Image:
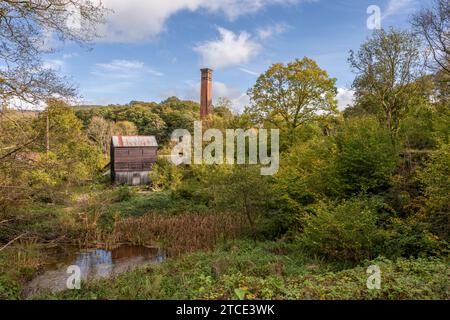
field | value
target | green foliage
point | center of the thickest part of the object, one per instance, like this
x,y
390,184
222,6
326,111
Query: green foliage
x,y
244,190
149,118
305,174
245,270
71,159
289,95
412,237
345,231
387,68
165,176
417,129
147,122
366,157
436,178
123,193
18,264
305,177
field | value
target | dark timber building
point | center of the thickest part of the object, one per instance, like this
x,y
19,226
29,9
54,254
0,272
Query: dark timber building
x,y
132,158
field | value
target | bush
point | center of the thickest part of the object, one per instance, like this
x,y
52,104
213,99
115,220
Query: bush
x,y
345,232
411,237
123,193
305,177
165,176
436,178
366,157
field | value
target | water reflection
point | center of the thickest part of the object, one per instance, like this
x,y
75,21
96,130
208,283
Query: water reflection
x,y
94,264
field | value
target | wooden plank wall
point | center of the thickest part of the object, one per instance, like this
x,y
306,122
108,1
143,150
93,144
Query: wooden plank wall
x,y
133,178
132,165
134,159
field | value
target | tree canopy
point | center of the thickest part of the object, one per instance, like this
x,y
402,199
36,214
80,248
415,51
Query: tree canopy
x,y
289,95
27,29
387,68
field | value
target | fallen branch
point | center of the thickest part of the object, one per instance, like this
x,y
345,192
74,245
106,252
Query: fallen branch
x,y
13,240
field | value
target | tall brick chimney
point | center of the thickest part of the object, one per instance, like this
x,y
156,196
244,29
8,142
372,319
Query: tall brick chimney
x,y
206,93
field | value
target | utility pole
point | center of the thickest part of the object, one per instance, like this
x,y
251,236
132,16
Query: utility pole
x,y
47,132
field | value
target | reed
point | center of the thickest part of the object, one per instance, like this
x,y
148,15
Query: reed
x,y
181,233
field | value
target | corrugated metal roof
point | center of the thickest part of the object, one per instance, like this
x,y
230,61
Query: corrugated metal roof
x,y
134,141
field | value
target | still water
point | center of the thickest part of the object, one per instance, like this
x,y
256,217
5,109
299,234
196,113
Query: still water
x,y
93,264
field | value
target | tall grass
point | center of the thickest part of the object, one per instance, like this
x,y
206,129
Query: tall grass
x,y
179,234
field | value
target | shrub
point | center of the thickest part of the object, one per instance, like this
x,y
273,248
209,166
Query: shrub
x,y
123,193
165,176
346,232
305,177
366,157
436,178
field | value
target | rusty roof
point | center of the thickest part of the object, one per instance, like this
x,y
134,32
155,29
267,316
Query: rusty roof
x,y
134,141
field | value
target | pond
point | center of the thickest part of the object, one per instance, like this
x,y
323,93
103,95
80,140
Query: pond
x,y
93,264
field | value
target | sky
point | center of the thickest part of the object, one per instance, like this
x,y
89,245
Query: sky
x,y
151,49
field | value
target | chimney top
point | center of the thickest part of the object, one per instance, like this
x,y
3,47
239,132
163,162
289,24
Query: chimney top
x,y
206,93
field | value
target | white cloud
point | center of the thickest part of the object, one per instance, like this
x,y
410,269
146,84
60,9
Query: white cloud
x,y
123,69
238,99
270,31
58,65
69,55
240,102
54,64
138,20
395,7
250,72
345,98
230,49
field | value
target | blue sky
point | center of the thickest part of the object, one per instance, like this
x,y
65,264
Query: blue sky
x,y
153,49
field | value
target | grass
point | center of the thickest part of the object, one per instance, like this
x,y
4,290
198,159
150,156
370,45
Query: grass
x,y
99,216
156,202
245,270
208,261
18,264
180,234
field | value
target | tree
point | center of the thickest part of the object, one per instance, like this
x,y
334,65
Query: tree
x,y
177,114
58,125
346,231
23,26
223,108
147,122
291,95
436,179
125,128
246,191
365,157
387,68
433,24
71,158
100,131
